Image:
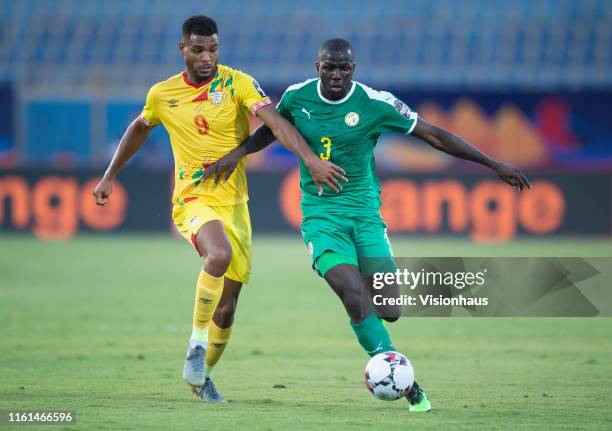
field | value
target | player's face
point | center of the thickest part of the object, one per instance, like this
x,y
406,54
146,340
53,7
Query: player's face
x,y
200,54
336,73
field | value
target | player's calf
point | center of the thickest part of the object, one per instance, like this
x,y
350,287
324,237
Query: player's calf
x,y
224,314
390,319
385,300
346,282
389,313
221,325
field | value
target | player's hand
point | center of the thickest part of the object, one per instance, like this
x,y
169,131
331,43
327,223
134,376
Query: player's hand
x,y
225,166
102,191
324,172
511,175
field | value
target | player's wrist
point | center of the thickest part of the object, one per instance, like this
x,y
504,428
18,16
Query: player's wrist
x,y
241,150
492,163
310,160
109,176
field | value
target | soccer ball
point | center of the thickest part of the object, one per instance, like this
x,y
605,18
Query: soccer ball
x,y
389,376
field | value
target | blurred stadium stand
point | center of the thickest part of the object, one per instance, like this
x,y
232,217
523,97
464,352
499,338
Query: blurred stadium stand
x,y
69,62
116,43
542,44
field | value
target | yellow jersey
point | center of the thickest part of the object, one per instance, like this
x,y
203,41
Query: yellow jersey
x,y
204,122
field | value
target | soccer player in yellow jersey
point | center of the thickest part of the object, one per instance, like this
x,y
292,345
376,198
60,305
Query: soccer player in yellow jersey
x,y
205,111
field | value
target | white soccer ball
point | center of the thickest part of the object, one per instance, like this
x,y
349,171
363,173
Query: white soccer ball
x,y
389,375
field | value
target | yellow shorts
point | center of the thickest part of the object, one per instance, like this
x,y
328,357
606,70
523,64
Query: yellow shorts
x,y
192,215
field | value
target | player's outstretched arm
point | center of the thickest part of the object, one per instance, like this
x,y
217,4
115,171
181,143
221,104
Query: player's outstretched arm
x,y
451,144
134,136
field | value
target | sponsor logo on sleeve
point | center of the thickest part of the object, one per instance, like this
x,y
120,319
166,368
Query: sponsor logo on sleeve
x,y
194,221
258,88
402,109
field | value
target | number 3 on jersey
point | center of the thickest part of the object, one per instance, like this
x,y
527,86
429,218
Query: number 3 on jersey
x,y
327,145
201,124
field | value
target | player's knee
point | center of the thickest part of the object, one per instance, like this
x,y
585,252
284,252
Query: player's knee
x,y
219,258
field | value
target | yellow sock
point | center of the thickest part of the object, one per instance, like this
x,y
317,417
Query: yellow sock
x,y
208,293
217,341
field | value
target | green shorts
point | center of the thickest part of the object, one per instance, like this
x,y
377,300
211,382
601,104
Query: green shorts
x,y
361,237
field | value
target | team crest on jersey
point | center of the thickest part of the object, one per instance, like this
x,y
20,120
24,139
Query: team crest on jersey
x,y
216,97
401,108
351,119
258,88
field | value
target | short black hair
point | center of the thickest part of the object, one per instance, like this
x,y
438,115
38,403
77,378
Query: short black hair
x,y
201,25
337,45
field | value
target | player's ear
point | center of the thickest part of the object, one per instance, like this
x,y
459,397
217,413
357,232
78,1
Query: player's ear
x,y
181,47
317,67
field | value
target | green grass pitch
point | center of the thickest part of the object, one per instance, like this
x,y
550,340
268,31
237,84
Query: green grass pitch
x,y
99,325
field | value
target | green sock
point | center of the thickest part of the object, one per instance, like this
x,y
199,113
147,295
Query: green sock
x,y
372,335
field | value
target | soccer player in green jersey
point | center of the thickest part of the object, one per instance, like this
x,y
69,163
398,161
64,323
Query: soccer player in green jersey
x,y
341,120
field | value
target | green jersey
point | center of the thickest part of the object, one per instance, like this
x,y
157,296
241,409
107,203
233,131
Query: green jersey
x,y
345,133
